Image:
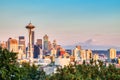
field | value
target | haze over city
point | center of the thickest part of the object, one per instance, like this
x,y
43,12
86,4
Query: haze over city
x,y
91,23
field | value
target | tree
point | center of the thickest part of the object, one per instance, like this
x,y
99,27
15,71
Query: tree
x,y
92,71
32,72
8,65
10,69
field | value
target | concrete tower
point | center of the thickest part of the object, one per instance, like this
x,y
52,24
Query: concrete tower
x,y
30,27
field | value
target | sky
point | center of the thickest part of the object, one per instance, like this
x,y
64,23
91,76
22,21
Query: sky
x,y
68,21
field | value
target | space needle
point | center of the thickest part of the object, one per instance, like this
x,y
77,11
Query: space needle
x,y
30,27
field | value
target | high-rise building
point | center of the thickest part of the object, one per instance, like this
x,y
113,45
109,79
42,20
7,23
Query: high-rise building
x,y
45,38
22,44
20,54
38,48
36,51
88,54
112,53
12,45
39,43
83,54
76,53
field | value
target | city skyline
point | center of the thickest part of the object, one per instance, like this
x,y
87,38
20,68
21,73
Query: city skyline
x,y
70,22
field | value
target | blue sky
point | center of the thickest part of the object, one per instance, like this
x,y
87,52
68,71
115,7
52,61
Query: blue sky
x,y
67,21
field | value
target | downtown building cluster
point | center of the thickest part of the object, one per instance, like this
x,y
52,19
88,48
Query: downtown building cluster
x,y
46,51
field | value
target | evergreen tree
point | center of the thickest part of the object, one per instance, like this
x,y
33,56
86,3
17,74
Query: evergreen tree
x,y
10,69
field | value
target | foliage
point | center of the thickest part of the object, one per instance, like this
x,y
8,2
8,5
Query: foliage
x,y
10,69
31,72
92,71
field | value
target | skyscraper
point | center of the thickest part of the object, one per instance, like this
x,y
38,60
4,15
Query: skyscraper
x,y
112,53
22,44
39,43
83,54
36,51
88,54
38,48
12,45
45,38
76,53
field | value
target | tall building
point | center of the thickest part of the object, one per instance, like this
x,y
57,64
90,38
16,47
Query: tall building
x,y
22,44
112,53
39,43
83,54
12,45
38,48
45,45
36,51
20,54
45,38
76,53
88,54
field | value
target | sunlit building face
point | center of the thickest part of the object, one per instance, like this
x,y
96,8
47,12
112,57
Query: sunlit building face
x,y
12,45
95,56
88,54
112,53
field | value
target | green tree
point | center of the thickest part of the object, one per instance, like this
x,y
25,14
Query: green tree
x,y
32,72
10,69
8,65
92,71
